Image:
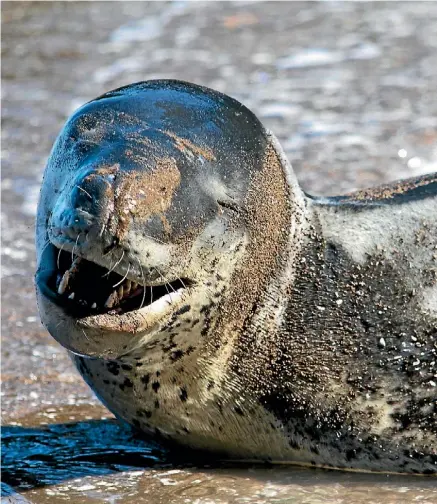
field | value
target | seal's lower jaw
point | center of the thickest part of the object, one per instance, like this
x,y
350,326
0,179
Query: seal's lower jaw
x,y
143,319
93,311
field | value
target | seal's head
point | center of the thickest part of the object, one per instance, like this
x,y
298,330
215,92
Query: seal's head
x,y
152,195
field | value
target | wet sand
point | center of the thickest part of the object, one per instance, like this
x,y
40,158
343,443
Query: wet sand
x,y
349,89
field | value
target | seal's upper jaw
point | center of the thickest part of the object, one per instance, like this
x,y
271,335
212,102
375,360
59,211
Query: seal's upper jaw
x,y
84,288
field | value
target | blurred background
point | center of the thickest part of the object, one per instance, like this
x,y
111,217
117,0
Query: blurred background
x,y
350,91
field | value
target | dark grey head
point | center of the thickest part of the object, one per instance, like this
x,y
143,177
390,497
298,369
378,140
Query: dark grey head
x,y
154,183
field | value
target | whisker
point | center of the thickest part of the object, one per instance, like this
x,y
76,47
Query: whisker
x,y
124,278
144,286
166,280
115,265
111,249
59,256
84,333
165,284
168,292
86,192
101,234
74,247
182,282
184,285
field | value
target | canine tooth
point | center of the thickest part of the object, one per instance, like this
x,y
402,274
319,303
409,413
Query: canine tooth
x,y
63,284
94,306
112,299
74,267
75,264
71,296
120,291
126,289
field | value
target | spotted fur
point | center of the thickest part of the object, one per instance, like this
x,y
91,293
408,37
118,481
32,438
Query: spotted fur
x,y
310,336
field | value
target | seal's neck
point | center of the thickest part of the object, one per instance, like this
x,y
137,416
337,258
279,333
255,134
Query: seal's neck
x,y
358,289
353,285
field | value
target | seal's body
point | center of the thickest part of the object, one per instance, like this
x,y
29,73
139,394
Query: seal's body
x,y
207,300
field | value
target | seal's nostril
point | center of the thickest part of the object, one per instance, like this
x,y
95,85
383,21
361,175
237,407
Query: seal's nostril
x,y
80,207
69,223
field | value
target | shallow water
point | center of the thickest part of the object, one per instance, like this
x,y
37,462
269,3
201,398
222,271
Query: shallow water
x,y
349,89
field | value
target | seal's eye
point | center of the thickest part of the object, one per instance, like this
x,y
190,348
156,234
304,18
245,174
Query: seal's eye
x,y
84,288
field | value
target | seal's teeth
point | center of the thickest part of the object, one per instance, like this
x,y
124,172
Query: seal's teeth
x,y
112,300
120,291
63,284
75,264
127,287
68,275
94,306
71,296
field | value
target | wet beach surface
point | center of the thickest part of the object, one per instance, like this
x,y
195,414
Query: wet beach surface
x,y
350,91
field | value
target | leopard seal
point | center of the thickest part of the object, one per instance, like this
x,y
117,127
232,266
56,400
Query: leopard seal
x,y
208,301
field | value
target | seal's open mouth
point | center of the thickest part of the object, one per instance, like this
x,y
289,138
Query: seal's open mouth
x,y
83,288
